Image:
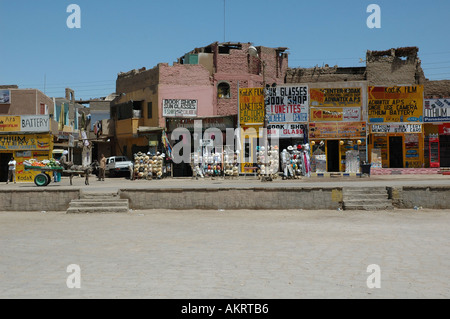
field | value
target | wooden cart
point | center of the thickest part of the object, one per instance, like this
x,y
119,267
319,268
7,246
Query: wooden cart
x,y
43,179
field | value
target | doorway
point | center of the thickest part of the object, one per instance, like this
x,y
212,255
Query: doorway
x,y
4,159
395,152
444,144
333,156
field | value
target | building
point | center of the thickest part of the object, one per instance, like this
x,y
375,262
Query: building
x,y
27,129
202,85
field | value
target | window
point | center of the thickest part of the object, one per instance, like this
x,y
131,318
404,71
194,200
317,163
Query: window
x,y
223,90
149,110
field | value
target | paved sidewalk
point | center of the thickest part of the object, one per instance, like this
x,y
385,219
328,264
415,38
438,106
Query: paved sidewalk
x,y
114,184
226,254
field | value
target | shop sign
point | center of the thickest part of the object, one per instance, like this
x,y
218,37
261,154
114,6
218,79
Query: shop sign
x,y
221,123
34,123
287,104
251,106
395,104
328,114
337,130
25,142
332,97
286,130
396,128
9,123
436,110
179,108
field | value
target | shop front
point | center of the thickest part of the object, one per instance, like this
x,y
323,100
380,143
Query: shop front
x,y
437,132
337,146
24,147
394,145
396,138
207,137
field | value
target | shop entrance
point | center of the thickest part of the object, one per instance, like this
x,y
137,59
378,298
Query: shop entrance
x,y
333,156
4,159
395,152
444,142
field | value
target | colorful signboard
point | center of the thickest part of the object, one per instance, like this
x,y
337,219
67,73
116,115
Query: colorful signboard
x,y
25,142
332,114
287,104
335,130
395,104
436,110
251,106
332,97
286,130
9,123
179,108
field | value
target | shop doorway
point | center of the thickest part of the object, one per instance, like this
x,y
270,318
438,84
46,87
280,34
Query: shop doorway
x,y
4,159
333,156
444,145
395,152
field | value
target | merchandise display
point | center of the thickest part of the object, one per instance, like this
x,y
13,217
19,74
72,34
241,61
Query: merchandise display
x,y
147,166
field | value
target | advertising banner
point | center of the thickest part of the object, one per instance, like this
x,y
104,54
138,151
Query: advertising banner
x,y
251,106
9,123
179,108
286,130
332,114
395,104
334,130
25,142
436,110
287,104
332,97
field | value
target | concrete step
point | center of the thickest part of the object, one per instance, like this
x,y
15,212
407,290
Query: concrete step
x,y
367,207
348,196
98,210
99,195
368,201
91,203
364,190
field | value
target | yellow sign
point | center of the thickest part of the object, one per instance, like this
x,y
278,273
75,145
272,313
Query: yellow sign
x,y
395,104
251,106
9,123
329,97
25,142
324,114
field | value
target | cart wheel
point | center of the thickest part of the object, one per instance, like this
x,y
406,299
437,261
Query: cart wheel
x,y
49,179
41,180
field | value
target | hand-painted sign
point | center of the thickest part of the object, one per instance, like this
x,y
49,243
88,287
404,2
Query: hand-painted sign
x,y
395,128
395,104
332,114
179,108
332,97
436,110
34,123
9,123
25,142
334,130
251,106
287,104
286,130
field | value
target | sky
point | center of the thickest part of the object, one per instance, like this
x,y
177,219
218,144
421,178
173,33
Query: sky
x,y
40,51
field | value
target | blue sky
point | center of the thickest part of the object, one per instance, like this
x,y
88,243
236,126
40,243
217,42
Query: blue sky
x,y
116,36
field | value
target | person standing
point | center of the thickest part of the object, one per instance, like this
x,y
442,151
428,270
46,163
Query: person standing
x,y
101,175
131,169
11,170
